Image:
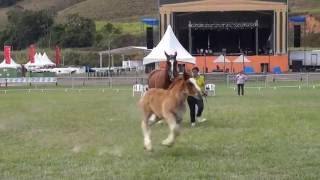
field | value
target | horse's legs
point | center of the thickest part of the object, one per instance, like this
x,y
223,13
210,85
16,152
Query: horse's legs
x,y
174,131
146,135
152,119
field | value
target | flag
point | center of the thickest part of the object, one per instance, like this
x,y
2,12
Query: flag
x,y
7,54
57,55
32,52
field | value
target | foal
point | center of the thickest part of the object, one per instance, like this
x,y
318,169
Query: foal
x,y
169,105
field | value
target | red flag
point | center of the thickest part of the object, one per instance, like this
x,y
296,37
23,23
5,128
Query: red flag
x,y
57,55
32,52
7,54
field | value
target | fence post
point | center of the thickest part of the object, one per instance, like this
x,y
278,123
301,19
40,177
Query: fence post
x,y
228,83
266,81
308,79
72,82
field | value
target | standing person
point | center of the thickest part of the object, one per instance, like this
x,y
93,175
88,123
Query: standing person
x,y
240,80
196,103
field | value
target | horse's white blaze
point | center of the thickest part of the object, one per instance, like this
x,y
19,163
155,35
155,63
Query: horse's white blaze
x,y
194,82
171,73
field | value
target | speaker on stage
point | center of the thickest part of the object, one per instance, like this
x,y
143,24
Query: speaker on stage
x,y
297,36
150,37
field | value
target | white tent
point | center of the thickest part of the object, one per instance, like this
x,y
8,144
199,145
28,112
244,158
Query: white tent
x,y
40,61
12,64
242,59
170,44
46,61
221,59
36,63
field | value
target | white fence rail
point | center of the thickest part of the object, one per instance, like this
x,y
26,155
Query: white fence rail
x,y
279,80
254,81
27,80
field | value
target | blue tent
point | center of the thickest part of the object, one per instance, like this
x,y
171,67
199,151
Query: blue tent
x,y
249,70
276,70
150,21
297,19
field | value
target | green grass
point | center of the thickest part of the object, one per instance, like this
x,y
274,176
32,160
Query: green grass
x,y
131,28
114,11
267,134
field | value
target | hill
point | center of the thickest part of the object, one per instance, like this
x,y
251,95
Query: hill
x,y
304,7
115,11
102,10
56,5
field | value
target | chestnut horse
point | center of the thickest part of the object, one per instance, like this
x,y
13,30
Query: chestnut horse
x,y
162,78
169,105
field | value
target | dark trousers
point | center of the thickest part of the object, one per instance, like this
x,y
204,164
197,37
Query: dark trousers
x,y
240,88
193,102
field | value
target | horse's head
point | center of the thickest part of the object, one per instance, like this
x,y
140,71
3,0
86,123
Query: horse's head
x,y
192,88
186,85
171,64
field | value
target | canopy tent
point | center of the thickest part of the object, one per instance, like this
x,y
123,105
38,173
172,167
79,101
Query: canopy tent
x,y
12,64
130,50
242,59
221,59
40,61
46,61
170,44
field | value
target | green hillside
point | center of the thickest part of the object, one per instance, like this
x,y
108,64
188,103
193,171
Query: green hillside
x,y
110,10
102,10
55,5
304,6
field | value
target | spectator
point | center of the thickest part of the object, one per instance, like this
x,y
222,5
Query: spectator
x,y
241,78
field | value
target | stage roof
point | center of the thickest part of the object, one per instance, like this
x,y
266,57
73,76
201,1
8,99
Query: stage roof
x,y
218,5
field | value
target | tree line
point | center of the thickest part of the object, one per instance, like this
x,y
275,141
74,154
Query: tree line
x,y
26,27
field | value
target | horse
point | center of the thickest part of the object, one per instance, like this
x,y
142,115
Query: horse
x,y
167,105
162,78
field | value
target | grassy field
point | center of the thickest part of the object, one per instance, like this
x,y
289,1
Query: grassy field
x,y
267,134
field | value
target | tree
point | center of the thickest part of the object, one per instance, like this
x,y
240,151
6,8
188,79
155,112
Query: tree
x,y
26,27
106,37
78,31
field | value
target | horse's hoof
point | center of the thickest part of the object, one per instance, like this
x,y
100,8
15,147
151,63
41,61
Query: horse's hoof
x,y
148,147
167,143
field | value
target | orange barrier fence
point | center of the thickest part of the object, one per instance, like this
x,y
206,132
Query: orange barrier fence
x,y
257,63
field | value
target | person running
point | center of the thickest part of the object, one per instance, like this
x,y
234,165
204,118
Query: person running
x,y
196,105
